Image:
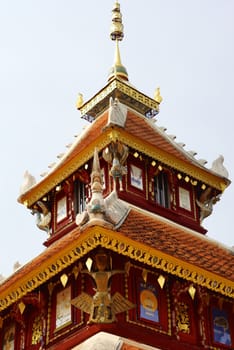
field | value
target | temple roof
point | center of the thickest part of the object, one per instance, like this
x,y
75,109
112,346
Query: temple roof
x,y
138,132
143,237
183,244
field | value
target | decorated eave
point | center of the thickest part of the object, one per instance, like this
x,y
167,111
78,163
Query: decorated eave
x,y
139,133
131,232
128,95
200,261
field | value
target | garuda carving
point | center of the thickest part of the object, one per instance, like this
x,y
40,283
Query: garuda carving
x,y
206,202
43,216
102,307
116,154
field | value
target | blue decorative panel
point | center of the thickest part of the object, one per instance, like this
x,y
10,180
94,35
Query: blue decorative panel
x,y
221,329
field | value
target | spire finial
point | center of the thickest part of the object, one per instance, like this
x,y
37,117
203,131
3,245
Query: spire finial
x,y
117,34
117,25
117,60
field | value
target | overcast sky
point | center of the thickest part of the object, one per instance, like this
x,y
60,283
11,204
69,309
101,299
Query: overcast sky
x,y
51,50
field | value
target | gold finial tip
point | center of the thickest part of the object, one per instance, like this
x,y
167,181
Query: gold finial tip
x,y
117,25
79,101
157,96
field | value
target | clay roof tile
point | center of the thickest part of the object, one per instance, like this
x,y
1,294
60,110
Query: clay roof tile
x,y
179,242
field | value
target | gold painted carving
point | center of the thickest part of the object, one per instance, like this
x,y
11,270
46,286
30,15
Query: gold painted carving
x,y
125,93
114,241
169,160
102,307
62,173
36,330
182,318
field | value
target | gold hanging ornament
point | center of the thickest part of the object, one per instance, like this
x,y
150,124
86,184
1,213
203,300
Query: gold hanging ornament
x,y
21,307
192,291
144,275
161,281
89,263
64,279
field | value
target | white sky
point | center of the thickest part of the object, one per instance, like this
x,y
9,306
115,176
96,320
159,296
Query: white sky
x,y
51,50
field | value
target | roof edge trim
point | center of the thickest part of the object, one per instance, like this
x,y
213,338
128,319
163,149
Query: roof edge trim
x,y
204,175
115,241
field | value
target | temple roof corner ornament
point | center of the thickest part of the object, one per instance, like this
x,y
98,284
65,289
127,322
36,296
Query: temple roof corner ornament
x,y
79,101
28,182
2,279
157,95
219,168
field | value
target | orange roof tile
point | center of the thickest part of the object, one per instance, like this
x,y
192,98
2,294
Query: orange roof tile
x,y
179,243
91,134
43,258
140,127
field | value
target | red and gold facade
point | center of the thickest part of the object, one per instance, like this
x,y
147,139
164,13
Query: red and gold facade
x,y
127,264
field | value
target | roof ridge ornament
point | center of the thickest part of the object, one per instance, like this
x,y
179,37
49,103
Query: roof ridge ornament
x,y
117,34
219,168
109,212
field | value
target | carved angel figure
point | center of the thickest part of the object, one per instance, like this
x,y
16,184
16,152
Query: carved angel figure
x,y
116,154
43,216
206,202
102,307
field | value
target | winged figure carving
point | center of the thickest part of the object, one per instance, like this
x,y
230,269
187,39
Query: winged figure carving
x,y
43,216
116,154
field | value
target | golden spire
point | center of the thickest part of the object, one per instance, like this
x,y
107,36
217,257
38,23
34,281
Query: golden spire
x,y
117,34
117,60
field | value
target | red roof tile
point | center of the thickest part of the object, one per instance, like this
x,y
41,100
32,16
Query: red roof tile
x,y
141,128
180,243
